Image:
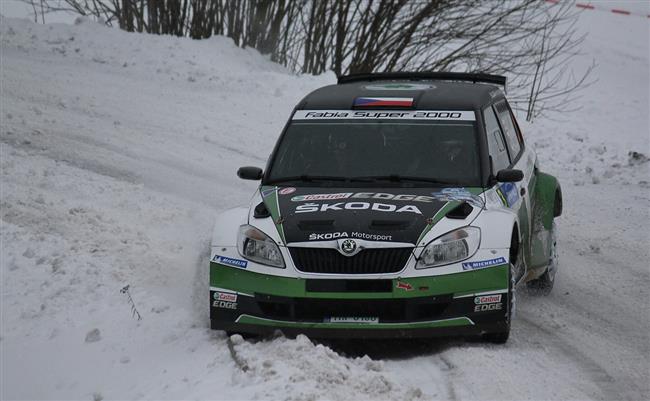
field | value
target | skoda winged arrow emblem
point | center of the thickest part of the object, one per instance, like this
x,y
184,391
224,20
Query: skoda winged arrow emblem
x,y
348,247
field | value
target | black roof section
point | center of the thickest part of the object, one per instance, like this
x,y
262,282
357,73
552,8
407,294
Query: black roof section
x,y
418,76
438,91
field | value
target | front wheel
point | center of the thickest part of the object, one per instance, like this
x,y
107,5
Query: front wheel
x,y
544,284
501,337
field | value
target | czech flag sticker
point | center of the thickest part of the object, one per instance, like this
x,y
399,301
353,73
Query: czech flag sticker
x,y
383,102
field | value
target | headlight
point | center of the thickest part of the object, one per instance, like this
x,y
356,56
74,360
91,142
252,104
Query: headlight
x,y
256,246
450,248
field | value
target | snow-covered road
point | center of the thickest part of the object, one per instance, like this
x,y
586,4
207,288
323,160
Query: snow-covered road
x,y
117,150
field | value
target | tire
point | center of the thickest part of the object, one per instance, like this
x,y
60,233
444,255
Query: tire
x,y
544,284
497,338
501,337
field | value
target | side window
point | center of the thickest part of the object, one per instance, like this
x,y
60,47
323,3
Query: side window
x,y
496,146
514,120
505,118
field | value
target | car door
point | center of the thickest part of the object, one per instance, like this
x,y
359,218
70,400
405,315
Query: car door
x,y
518,195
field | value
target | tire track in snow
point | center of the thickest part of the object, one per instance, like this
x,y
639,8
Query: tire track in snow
x,y
611,389
449,367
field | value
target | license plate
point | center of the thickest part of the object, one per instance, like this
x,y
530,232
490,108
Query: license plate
x,y
338,319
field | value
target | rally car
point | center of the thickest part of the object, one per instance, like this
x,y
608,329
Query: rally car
x,y
393,205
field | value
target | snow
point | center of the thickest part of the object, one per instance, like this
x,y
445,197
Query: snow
x,y
117,150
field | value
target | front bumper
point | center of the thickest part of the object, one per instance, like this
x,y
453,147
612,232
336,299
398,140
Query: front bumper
x,y
453,304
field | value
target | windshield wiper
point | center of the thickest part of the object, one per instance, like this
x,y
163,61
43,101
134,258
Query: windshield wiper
x,y
402,178
307,178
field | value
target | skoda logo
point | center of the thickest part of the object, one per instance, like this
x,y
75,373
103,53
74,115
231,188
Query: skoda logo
x,y
348,246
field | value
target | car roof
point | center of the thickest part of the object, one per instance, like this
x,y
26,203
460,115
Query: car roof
x,y
427,94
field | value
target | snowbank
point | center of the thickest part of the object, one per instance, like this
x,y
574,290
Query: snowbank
x,y
117,151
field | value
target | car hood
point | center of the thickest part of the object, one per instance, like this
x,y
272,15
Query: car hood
x,y
307,214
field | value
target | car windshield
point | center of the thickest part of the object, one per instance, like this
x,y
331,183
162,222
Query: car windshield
x,y
442,152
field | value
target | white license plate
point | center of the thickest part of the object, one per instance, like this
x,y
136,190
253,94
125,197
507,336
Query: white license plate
x,y
338,319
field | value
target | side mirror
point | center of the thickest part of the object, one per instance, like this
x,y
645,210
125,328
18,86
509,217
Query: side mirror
x,y
249,173
510,175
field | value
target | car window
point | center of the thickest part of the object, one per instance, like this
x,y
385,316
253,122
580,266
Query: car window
x,y
441,151
512,139
496,145
517,128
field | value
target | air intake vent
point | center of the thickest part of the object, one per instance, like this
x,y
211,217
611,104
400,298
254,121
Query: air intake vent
x,y
315,225
461,211
261,212
389,225
355,285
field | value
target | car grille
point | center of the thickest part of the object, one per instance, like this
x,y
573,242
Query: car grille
x,y
368,261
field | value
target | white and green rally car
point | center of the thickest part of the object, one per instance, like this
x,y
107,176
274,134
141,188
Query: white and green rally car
x,y
393,205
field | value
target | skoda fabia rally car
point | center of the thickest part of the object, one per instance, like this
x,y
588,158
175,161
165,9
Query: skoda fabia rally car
x,y
393,205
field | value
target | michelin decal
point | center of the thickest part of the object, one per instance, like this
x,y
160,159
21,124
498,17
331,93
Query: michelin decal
x,y
230,261
482,264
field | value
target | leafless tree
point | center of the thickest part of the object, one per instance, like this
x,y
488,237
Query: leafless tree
x,y
532,42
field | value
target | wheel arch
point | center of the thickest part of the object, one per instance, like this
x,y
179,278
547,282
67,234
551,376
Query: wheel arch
x,y
548,199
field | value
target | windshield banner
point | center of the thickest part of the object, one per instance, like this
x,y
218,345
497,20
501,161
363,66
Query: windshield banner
x,y
434,115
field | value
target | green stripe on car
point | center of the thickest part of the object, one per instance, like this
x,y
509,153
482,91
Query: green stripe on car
x,y
481,280
273,205
453,322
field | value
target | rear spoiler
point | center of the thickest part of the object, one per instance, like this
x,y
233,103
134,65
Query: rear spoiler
x,y
425,76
